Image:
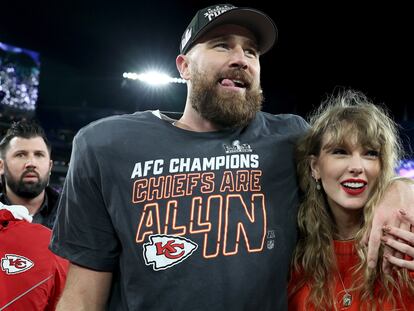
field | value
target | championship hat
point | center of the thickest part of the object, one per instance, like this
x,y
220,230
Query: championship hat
x,y
260,24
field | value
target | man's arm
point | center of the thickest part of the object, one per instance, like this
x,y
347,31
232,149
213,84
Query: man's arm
x,y
59,281
398,196
85,290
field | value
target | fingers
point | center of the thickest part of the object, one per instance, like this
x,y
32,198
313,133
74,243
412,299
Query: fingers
x,y
388,252
374,242
402,263
400,239
401,246
398,196
401,234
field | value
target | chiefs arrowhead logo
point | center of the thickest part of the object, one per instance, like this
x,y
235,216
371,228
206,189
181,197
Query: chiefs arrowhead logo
x,y
165,251
13,264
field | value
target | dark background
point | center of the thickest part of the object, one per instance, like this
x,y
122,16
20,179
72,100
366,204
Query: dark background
x,y
85,46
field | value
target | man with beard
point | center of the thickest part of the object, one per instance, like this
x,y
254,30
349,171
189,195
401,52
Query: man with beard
x,y
25,166
191,214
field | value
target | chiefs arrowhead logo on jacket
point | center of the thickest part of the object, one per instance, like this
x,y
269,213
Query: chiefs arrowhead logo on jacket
x,y
165,251
13,264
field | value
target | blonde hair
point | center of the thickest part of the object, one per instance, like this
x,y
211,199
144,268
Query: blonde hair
x,y
314,257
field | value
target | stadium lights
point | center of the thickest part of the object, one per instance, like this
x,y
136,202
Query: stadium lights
x,y
154,78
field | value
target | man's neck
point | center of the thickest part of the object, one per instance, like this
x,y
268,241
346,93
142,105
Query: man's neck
x,y
193,121
33,205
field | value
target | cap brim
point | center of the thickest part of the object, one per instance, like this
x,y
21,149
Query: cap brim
x,y
257,22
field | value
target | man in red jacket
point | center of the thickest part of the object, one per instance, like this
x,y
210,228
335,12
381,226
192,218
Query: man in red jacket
x,y
31,276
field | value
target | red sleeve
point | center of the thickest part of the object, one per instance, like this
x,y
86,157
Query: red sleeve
x,y
297,296
59,282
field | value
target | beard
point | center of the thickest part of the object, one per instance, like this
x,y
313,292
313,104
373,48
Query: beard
x,y
225,109
27,190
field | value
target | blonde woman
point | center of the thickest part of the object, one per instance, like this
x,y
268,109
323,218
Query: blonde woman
x,y
344,163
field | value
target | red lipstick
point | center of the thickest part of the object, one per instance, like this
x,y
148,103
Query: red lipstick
x,y
354,186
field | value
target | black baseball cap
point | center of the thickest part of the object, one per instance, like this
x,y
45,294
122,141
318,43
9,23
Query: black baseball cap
x,y
205,19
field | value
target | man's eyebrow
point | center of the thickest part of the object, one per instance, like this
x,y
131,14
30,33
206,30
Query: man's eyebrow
x,y
19,150
251,42
219,38
26,150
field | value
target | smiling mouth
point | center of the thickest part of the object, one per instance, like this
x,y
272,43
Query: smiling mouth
x,y
354,187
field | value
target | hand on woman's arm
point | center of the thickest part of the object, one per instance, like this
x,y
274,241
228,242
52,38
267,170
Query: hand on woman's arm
x,y
401,241
398,196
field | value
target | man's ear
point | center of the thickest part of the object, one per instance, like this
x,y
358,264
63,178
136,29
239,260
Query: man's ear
x,y
1,167
314,166
182,65
50,167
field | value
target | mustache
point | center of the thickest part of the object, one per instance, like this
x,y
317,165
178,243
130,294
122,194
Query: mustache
x,y
30,171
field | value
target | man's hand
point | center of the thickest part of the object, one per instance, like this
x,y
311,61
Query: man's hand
x,y
398,196
401,241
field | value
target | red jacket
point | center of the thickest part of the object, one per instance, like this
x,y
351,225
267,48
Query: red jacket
x,y
31,277
346,259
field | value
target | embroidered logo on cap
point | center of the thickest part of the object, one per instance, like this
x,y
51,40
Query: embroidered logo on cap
x,y
186,37
217,11
165,251
13,264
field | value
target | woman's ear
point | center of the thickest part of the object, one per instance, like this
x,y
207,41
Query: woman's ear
x,y
314,166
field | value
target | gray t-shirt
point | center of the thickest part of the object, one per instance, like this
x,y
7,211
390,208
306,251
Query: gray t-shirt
x,y
185,220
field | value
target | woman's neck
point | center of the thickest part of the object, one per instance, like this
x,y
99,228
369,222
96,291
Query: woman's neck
x,y
347,222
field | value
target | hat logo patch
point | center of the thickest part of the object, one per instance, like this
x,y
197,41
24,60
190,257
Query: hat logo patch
x,y
217,11
186,37
14,264
165,251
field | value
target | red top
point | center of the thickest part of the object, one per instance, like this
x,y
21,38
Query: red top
x,y
346,259
31,276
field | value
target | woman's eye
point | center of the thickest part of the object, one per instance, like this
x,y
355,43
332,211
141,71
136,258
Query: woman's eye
x,y
338,151
372,153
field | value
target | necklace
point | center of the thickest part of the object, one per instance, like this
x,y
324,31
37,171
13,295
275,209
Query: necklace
x,y
347,298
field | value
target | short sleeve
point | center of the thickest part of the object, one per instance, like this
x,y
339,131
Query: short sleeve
x,y
83,231
300,125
